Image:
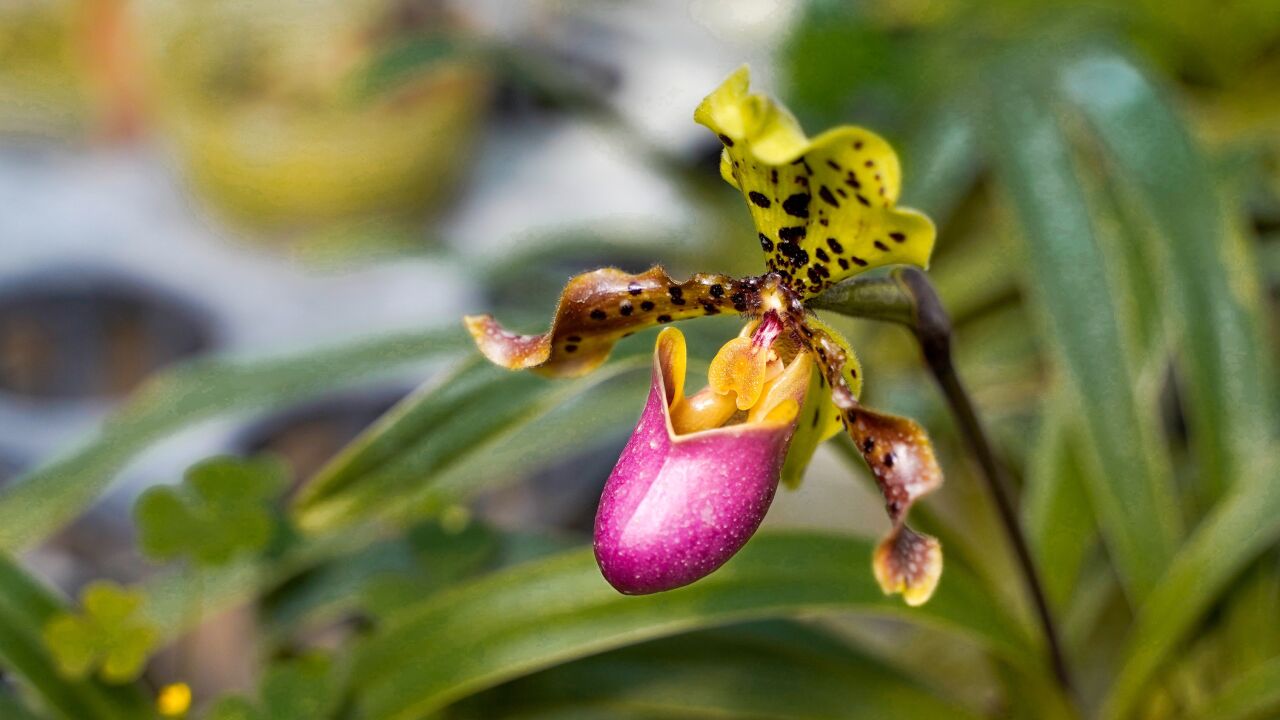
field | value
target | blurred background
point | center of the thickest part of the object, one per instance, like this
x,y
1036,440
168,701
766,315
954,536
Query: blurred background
x,y
242,179
228,180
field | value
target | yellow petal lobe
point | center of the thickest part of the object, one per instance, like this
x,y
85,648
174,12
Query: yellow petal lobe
x,y
824,207
740,367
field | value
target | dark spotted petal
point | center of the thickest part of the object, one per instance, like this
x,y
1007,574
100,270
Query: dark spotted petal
x,y
900,456
901,459
601,307
824,206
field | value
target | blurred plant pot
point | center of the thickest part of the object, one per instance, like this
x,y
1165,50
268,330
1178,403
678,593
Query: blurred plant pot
x,y
74,335
263,104
66,66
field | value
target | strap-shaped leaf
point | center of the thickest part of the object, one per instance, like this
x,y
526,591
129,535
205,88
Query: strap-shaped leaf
x,y
746,672
1253,695
1212,276
38,503
461,429
823,207
535,616
1060,528
13,709
1240,527
1126,477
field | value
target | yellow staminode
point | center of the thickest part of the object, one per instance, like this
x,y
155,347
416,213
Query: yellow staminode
x,y
741,367
824,206
776,400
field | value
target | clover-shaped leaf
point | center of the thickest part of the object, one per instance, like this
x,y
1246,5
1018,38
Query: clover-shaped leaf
x,y
222,509
108,635
297,689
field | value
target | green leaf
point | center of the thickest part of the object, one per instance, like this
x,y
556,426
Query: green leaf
x,y
108,636
1060,528
25,607
587,413
38,504
478,422
1128,482
833,51
405,61
302,688
299,689
12,709
1254,695
233,707
534,616
177,600
221,510
1211,273
940,159
774,670
1254,602
1211,280
385,575
1242,526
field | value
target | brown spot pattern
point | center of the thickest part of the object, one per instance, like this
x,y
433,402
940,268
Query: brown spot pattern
x,y
901,459
599,308
788,219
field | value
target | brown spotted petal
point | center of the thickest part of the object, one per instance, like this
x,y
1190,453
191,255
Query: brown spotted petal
x,y
599,308
901,459
900,456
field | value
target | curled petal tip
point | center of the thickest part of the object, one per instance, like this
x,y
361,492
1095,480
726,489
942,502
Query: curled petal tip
x,y
505,348
910,563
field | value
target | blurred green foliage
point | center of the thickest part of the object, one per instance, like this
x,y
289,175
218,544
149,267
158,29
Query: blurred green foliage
x,y
222,509
108,636
1106,179
297,689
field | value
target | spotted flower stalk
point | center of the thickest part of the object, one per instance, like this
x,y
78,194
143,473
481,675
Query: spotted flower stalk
x,y
701,469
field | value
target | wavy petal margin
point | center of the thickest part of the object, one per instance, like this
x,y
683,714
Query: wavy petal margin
x,y
823,207
599,308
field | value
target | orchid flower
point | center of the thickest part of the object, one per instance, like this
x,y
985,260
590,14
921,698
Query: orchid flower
x,y
701,469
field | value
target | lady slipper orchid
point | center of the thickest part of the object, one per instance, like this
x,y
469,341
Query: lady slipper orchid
x,y
700,470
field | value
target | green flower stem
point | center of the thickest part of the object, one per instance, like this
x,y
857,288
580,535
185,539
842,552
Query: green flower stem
x,y
908,298
882,298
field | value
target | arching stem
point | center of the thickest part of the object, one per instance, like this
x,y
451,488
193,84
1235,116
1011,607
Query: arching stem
x,y
908,298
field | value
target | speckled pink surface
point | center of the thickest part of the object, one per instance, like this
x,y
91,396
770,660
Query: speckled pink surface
x,y
676,508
